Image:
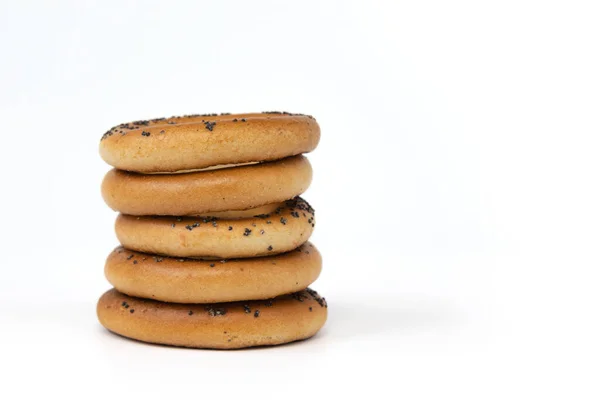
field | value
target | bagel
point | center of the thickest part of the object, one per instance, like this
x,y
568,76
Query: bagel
x,y
185,280
193,193
219,326
199,141
289,225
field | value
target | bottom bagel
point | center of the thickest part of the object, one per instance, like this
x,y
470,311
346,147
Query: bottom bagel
x,y
232,325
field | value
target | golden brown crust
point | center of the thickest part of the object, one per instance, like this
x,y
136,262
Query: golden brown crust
x,y
195,193
284,229
219,326
192,142
185,280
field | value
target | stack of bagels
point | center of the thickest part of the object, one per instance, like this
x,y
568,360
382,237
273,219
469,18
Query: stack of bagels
x,y
214,236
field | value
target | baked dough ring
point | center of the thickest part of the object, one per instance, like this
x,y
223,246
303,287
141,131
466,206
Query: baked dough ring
x,y
193,142
218,326
234,188
185,280
289,225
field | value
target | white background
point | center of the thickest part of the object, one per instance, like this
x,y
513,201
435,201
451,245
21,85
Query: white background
x,y
456,188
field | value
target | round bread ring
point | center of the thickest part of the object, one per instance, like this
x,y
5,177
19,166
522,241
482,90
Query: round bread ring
x,y
216,326
199,141
289,225
194,193
185,280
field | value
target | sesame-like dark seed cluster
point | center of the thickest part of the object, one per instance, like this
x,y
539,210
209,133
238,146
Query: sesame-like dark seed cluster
x,y
295,208
129,126
253,308
299,296
206,220
210,125
215,311
321,300
107,134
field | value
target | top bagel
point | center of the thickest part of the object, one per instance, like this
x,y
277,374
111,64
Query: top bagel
x,y
200,141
